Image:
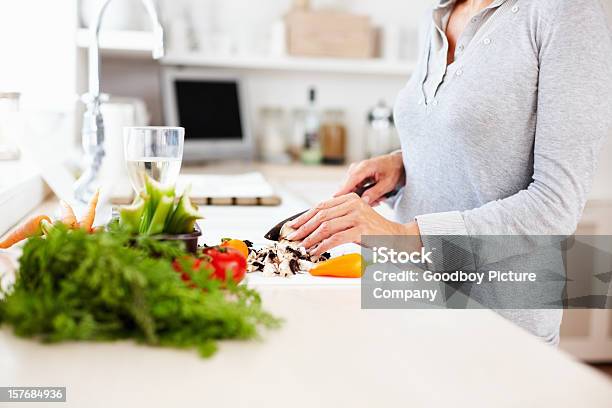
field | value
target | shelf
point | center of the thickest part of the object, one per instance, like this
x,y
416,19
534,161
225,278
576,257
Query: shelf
x,y
122,42
139,44
333,65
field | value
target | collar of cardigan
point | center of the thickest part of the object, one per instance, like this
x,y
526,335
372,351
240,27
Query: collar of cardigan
x,y
448,3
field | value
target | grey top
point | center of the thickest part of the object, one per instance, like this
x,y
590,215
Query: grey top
x,y
505,139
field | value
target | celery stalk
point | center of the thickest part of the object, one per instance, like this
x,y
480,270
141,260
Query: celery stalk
x,y
185,215
147,213
130,216
155,192
154,211
158,221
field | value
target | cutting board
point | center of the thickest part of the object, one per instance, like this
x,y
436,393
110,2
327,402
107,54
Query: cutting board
x,y
249,189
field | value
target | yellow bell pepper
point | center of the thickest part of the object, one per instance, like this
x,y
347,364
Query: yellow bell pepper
x,y
345,266
237,244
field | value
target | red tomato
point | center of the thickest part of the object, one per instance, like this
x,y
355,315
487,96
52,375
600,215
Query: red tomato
x,y
225,259
195,263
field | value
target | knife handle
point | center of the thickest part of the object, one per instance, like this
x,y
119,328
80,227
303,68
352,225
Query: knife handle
x,y
274,233
368,184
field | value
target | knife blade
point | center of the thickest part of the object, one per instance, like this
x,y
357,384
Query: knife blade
x,y
274,233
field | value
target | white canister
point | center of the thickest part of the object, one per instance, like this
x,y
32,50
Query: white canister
x,y
119,113
178,36
273,136
391,40
119,15
278,39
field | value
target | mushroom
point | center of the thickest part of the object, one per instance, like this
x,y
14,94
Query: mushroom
x,y
284,258
270,269
285,231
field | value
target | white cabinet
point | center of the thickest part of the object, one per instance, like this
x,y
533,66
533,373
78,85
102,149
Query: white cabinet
x,y
587,334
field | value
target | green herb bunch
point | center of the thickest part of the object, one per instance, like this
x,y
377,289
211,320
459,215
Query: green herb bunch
x,y
72,285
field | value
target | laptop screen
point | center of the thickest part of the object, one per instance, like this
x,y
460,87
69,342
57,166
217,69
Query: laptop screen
x,y
209,110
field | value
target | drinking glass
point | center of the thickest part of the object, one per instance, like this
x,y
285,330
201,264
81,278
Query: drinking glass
x,y
153,151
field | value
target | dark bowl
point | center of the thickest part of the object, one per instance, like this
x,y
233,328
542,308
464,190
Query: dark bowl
x,y
190,240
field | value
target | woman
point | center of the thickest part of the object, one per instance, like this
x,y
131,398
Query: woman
x,y
500,128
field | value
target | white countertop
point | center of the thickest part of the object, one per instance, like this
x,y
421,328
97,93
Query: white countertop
x,y
329,352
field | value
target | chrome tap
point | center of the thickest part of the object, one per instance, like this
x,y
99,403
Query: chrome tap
x,y
93,122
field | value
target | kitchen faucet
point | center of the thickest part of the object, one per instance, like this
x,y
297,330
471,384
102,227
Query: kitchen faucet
x,y
93,122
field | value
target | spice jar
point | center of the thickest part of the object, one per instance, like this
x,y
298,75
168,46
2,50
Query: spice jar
x,y
333,137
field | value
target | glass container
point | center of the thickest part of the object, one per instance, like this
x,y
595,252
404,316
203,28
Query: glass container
x,y
333,137
381,137
273,135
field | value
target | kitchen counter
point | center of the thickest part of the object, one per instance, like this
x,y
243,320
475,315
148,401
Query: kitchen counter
x,y
329,352
21,190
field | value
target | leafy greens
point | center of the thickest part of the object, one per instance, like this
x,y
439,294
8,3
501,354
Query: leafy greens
x,y
72,285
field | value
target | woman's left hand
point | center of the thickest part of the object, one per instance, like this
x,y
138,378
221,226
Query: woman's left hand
x,y
343,220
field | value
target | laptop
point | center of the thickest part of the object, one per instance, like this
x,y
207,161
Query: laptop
x,y
212,107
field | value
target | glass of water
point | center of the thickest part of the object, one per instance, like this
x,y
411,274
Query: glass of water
x,y
153,151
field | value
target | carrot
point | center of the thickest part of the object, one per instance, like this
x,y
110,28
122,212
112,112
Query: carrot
x,y
345,266
88,220
29,229
45,227
68,217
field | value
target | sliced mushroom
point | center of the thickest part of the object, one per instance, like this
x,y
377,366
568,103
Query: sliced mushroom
x,y
306,265
294,265
282,258
284,268
270,269
285,231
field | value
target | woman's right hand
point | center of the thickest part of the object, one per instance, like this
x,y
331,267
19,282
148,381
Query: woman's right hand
x,y
387,171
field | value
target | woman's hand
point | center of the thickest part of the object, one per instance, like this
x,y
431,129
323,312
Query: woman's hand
x,y
387,171
343,220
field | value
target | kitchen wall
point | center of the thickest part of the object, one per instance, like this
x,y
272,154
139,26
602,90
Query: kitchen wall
x,y
37,51
355,94
38,60
255,16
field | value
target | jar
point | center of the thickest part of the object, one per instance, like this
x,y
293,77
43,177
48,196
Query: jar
x,y
298,130
381,137
333,137
272,135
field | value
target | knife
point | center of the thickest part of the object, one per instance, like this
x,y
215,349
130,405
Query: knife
x,y
274,233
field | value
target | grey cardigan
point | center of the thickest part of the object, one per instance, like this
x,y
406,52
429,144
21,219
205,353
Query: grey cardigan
x,y
504,141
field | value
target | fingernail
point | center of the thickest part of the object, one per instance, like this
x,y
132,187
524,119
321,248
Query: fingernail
x,y
366,199
292,236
